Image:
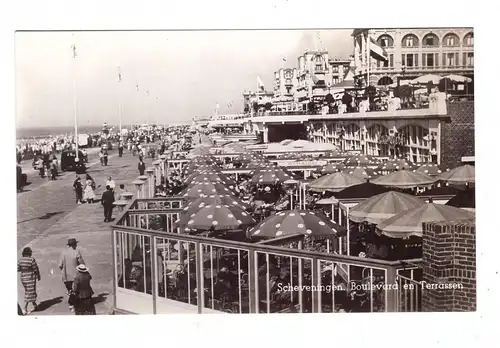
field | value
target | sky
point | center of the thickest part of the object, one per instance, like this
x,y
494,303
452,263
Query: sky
x,y
186,72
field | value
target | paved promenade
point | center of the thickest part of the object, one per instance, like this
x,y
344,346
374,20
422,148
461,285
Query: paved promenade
x,y
48,216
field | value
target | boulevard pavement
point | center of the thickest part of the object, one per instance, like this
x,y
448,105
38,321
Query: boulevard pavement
x,y
48,215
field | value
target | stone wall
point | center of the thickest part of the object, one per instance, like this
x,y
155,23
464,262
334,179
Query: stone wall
x,y
457,136
449,256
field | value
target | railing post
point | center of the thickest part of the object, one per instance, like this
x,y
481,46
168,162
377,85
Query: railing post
x,y
252,281
391,292
200,288
315,286
154,276
115,263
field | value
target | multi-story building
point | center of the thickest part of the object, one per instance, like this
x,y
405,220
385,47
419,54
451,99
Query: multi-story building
x,y
261,97
413,52
314,75
339,69
285,87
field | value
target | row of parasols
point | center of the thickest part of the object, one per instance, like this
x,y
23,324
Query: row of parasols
x,y
214,206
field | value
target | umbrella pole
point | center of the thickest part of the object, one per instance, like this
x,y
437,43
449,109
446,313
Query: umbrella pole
x,y
348,232
333,211
328,246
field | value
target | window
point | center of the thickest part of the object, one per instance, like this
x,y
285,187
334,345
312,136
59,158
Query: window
x,y
431,40
469,39
451,40
450,59
430,59
391,60
468,59
409,60
410,40
385,41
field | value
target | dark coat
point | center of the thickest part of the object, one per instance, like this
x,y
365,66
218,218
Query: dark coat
x,y
141,166
108,198
81,286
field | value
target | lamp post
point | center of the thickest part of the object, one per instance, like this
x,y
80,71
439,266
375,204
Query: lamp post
x,y
157,164
163,167
151,178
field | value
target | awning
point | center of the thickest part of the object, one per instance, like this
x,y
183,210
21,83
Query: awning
x,y
318,79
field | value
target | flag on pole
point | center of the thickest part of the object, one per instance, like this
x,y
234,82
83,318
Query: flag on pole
x,y
284,59
229,104
137,86
260,84
377,51
119,74
217,106
73,47
147,93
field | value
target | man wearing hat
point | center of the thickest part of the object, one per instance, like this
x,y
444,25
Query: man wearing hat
x,y
70,259
83,292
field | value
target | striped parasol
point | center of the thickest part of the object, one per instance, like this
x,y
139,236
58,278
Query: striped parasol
x,y
409,222
383,206
404,179
334,182
460,175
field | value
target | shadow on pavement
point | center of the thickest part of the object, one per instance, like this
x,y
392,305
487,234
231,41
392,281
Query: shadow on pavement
x,y
43,217
48,303
100,298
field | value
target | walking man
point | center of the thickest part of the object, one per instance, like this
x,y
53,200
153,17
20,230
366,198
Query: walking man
x,y
70,259
77,185
141,167
120,149
107,201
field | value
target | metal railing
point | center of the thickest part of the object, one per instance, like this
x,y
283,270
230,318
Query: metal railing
x,y
158,269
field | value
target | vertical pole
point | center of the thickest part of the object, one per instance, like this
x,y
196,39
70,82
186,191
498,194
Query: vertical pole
x,y
75,112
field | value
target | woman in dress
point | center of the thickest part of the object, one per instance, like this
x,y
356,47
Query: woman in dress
x,y
29,275
88,193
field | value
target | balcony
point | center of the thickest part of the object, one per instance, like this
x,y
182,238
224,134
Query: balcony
x,y
182,273
425,69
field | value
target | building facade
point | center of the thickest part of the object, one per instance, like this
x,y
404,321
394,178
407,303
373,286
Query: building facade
x,y
261,98
285,88
413,52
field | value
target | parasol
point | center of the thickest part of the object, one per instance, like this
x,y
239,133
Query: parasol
x,y
395,164
464,199
364,190
207,188
270,176
331,168
426,79
201,202
404,179
460,175
217,218
334,182
458,78
429,169
360,160
383,206
291,222
409,222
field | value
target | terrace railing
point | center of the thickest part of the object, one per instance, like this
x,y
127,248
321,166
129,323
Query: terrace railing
x,y
158,269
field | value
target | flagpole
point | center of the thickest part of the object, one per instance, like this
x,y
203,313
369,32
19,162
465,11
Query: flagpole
x,y
137,101
368,59
257,96
120,101
75,113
